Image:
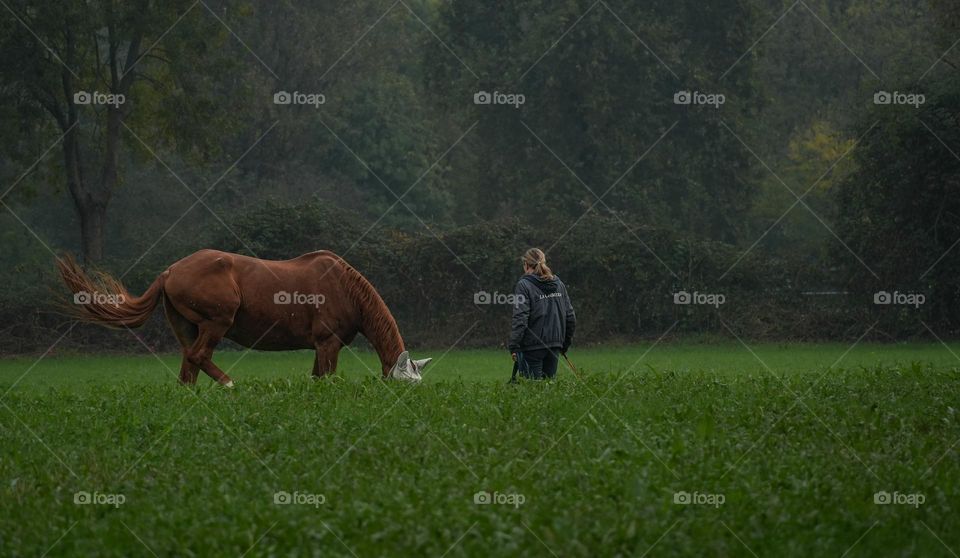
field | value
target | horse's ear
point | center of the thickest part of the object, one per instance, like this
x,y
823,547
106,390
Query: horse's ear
x,y
422,363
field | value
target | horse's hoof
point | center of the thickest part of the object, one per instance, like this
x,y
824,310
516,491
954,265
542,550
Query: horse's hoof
x,y
228,384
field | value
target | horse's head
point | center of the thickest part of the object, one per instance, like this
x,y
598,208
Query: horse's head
x,y
408,369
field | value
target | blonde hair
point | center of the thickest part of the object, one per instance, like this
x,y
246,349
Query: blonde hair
x,y
535,258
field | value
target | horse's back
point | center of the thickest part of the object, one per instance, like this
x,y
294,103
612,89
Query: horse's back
x,y
209,261
247,276
271,304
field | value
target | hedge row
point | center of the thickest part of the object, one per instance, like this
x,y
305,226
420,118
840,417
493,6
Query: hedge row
x,y
625,284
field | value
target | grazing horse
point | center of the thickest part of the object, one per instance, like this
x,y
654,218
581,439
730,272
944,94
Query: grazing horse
x,y
316,301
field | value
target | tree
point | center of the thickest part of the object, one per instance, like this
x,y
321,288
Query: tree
x,y
365,58
899,210
599,81
90,67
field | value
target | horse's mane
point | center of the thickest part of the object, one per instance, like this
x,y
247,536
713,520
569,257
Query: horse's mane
x,y
378,323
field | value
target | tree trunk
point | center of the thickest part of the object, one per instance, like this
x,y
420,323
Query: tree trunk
x,y
91,196
93,218
89,200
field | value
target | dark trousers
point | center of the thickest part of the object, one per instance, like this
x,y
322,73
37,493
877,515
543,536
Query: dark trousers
x,y
540,364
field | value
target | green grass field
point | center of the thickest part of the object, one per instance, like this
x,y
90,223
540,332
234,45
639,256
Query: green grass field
x,y
779,453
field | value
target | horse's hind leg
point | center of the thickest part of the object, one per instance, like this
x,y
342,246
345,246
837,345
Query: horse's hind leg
x,y
186,332
201,352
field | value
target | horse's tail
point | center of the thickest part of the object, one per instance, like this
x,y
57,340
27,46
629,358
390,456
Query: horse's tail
x,y
104,300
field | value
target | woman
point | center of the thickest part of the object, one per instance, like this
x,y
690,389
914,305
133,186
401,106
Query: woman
x,y
543,319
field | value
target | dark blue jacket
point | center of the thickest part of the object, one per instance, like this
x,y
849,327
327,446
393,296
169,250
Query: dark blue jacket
x,y
543,316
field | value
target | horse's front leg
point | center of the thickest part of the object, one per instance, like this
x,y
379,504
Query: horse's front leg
x,y
328,350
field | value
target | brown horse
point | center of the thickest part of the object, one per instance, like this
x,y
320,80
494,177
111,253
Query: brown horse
x,y
316,301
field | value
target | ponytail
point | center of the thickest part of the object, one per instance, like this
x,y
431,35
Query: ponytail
x,y
535,258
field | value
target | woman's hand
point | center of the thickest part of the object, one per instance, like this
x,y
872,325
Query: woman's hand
x,y
514,355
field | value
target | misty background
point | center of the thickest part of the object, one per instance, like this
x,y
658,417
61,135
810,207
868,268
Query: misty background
x,y
797,158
